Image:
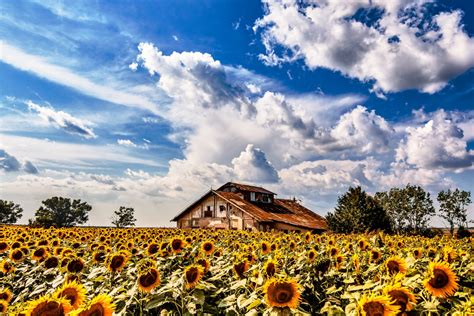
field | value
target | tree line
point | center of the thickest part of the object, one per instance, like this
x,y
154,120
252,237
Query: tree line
x,y
405,210
62,212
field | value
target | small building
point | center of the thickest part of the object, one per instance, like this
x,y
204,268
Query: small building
x,y
247,207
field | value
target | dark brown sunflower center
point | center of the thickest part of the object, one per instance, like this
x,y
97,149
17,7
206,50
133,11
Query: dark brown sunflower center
x,y
282,293
17,255
264,247
439,280
240,268
95,310
117,262
99,257
4,296
153,248
192,275
51,262
176,244
270,269
401,299
312,255
75,266
39,252
393,267
70,294
48,309
374,309
207,247
148,279
3,308
3,246
333,252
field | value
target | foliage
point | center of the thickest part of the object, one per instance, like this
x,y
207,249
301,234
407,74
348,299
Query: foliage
x,y
356,211
124,217
61,212
10,212
452,207
344,271
409,208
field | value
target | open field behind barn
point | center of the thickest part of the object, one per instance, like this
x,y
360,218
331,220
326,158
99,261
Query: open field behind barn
x,y
79,271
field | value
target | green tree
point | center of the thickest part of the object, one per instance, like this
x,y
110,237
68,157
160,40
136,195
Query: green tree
x,y
124,217
10,212
61,212
452,207
356,211
395,204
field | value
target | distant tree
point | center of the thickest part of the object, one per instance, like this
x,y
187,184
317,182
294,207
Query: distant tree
x,y
61,212
395,205
10,212
452,207
419,208
124,217
356,211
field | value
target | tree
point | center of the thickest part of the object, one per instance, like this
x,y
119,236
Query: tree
x,y
356,211
61,212
124,217
452,207
10,212
395,204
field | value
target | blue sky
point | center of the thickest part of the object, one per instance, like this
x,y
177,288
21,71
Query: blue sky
x,y
150,103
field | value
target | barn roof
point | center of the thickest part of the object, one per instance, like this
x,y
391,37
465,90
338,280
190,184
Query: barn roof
x,y
281,210
246,187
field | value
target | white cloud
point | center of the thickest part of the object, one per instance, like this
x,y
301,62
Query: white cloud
x,y
63,120
9,163
437,144
39,66
175,38
252,165
126,143
404,49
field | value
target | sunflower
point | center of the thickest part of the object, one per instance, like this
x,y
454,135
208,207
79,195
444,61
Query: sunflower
x,y
339,261
333,251
152,249
208,247
270,267
6,267
51,262
265,247
3,246
395,265
101,305
149,280
402,297
6,295
204,263
3,306
375,255
282,293
177,245
311,255
74,292
99,256
48,305
441,280
241,267
75,265
17,255
417,252
192,275
377,305
40,253
363,244
117,261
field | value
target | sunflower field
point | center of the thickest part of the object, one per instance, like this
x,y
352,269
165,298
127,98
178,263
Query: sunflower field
x,y
146,271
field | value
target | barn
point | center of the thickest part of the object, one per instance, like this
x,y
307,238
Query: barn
x,y
247,207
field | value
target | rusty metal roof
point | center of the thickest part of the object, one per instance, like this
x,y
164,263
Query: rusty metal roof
x,y
246,187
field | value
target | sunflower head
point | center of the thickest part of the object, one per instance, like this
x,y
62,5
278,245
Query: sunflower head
x,y
6,267
117,261
270,267
241,267
3,246
74,292
377,305
17,255
51,262
311,255
48,305
402,297
177,245
375,255
101,305
282,293
441,280
204,263
417,252
148,280
75,265
394,265
192,275
207,247
3,306
6,295
265,247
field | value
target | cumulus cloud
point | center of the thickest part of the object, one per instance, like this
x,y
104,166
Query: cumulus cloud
x,y
126,143
9,163
63,120
403,48
437,144
252,165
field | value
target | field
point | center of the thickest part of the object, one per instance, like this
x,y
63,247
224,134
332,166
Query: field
x,y
100,271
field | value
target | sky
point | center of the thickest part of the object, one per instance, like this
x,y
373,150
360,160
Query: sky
x,y
149,104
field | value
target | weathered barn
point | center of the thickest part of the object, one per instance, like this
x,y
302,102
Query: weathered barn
x,y
247,207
